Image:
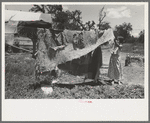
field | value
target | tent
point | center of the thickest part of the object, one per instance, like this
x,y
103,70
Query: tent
x,y
28,19
16,20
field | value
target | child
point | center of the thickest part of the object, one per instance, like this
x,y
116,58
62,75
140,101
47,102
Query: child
x,y
128,60
75,42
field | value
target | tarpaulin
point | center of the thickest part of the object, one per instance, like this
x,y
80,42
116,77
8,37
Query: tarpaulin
x,y
86,60
27,16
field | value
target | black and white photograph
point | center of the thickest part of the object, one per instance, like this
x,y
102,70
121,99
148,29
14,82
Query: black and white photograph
x,y
81,51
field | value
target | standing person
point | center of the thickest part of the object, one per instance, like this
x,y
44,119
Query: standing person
x,y
114,71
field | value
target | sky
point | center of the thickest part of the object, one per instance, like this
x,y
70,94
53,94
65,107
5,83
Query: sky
x,y
115,14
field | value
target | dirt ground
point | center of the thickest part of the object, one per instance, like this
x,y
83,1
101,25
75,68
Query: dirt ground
x,y
133,74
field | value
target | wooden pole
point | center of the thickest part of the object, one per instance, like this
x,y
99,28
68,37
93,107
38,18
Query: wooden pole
x,y
34,48
20,48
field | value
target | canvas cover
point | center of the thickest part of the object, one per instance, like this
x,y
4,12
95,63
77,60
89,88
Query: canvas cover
x,y
24,23
27,16
86,60
11,27
10,30
9,38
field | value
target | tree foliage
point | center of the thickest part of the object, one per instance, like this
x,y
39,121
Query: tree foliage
x,y
90,25
131,39
70,19
124,30
141,36
62,19
102,15
75,19
50,9
102,25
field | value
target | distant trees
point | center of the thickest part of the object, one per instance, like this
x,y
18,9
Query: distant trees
x,y
124,30
141,36
131,39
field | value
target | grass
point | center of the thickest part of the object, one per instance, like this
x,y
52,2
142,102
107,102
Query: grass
x,y
98,92
20,84
139,48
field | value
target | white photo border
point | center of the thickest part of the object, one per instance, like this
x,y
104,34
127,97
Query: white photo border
x,y
73,110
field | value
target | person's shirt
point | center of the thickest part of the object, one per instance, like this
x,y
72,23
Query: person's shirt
x,y
115,50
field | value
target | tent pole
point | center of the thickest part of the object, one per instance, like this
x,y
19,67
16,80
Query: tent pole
x,y
34,48
20,48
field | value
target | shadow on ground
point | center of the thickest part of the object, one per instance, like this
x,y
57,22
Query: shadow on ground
x,y
68,85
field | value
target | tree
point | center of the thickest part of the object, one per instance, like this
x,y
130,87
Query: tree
x,y
141,36
124,30
61,19
70,20
89,25
131,39
49,9
102,15
75,17
102,25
